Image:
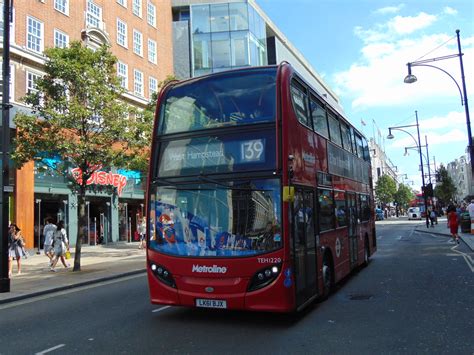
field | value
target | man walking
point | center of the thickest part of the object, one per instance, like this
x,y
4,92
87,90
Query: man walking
x,y
470,209
48,232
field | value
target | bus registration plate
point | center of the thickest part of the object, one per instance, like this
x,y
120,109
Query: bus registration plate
x,y
206,303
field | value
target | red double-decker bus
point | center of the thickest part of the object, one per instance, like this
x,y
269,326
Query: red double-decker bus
x,y
259,194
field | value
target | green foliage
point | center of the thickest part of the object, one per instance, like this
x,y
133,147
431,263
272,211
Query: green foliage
x,y
403,196
445,189
78,118
78,115
385,189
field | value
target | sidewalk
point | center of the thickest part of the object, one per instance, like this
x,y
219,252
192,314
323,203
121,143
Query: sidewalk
x,y
98,263
442,229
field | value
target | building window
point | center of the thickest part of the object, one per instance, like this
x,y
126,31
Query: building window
x,y
62,6
137,8
138,82
94,15
122,2
121,33
200,18
151,14
152,51
35,34
220,17
152,85
138,43
238,16
31,82
122,73
61,40
220,50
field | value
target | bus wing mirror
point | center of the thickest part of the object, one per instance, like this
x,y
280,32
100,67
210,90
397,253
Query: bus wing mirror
x,y
288,193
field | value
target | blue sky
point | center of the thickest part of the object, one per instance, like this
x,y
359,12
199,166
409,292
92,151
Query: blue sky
x,y
361,48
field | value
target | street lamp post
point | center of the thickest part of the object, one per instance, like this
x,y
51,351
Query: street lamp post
x,y
5,187
418,144
410,78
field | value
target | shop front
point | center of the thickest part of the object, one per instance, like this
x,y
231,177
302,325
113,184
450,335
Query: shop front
x,y
112,214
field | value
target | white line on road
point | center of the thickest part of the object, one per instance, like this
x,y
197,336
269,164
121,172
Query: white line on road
x,y
51,349
466,258
160,309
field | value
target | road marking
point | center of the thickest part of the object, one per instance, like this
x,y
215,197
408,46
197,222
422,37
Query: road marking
x,y
160,309
50,349
466,257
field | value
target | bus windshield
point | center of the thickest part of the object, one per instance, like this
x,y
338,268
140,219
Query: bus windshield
x,y
234,98
216,219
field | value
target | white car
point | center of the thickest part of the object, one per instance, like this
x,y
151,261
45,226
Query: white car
x,y
414,213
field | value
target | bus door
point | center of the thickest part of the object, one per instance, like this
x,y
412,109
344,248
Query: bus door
x,y
303,214
352,228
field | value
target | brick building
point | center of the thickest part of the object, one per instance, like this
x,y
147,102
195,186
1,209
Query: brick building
x,y
139,33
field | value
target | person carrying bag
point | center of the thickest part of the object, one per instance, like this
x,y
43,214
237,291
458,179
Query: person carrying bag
x,y
61,246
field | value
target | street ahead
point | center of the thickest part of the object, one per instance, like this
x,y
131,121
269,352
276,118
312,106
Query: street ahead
x,y
416,296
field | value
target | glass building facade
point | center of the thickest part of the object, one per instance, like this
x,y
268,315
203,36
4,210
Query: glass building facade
x,y
226,36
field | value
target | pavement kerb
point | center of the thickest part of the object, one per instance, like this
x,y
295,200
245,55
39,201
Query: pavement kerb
x,y
71,286
468,239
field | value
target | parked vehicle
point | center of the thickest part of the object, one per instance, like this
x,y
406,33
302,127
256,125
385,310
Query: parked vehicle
x,y
414,213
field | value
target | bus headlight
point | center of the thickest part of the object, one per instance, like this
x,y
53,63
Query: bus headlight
x,y
163,275
264,277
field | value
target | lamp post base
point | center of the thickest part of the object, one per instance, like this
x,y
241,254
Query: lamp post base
x,y
4,285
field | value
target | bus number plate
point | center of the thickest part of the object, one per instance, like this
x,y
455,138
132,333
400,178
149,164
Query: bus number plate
x,y
205,303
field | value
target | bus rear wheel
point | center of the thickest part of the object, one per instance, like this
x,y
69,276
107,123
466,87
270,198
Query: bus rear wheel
x,y
327,278
366,253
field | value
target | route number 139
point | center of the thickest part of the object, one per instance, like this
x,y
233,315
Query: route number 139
x,y
252,150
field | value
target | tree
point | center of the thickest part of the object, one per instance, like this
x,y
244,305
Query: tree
x,y
403,196
385,189
79,120
445,189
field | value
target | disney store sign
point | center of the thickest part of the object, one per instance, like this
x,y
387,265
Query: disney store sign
x,y
102,178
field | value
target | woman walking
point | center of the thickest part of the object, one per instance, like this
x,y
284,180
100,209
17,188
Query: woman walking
x,y
15,248
61,245
453,224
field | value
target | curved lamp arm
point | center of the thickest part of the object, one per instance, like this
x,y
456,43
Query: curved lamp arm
x,y
400,129
444,71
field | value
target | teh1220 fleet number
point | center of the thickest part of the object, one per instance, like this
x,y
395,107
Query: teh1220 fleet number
x,y
269,260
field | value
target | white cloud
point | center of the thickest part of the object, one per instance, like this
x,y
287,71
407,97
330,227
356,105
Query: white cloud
x,y
450,11
389,9
376,79
410,24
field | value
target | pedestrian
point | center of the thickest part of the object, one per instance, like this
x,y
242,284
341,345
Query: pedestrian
x,y
61,245
453,224
48,232
16,246
142,233
470,209
432,217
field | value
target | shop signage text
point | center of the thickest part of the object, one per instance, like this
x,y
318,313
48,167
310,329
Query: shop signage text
x,y
102,178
